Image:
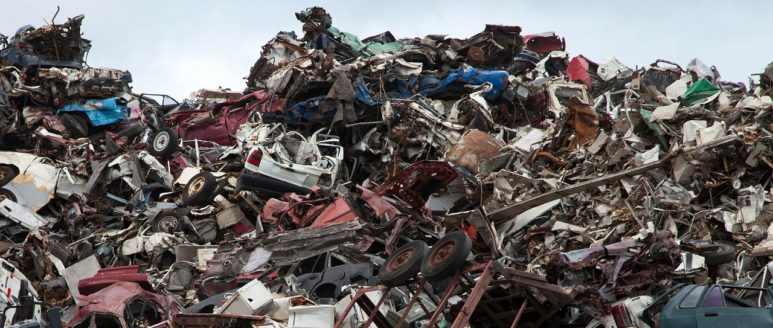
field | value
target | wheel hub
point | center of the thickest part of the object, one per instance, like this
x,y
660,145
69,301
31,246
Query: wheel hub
x,y
161,141
400,260
167,224
441,252
196,186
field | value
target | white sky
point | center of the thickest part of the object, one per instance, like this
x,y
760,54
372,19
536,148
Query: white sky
x,y
177,47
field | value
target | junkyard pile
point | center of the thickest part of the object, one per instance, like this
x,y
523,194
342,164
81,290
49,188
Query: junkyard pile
x,y
377,182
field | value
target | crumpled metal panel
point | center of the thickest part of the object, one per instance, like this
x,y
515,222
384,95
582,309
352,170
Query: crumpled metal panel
x,y
415,183
113,300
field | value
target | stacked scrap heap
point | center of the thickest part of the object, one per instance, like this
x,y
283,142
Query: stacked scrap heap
x,y
490,181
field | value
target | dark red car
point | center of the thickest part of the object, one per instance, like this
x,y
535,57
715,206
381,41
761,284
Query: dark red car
x,y
544,43
216,123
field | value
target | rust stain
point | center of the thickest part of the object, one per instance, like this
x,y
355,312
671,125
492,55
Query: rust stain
x,y
585,121
23,179
473,148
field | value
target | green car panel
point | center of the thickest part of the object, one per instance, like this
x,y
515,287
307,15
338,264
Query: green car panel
x,y
708,306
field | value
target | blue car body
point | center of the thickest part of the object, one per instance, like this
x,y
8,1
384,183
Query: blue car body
x,y
467,74
100,112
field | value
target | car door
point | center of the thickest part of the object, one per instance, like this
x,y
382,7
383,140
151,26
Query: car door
x,y
680,312
716,311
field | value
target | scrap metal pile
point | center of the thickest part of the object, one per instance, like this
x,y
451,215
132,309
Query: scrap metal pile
x,y
489,181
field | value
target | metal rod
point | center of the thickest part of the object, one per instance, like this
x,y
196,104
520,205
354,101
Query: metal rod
x,y
360,292
474,297
408,307
519,314
442,304
376,307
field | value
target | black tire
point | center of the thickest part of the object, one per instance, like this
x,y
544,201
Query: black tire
x,y
725,253
164,143
403,264
7,194
446,256
200,189
7,173
169,222
77,125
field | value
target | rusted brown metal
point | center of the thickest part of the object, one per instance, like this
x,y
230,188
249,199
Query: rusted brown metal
x,y
474,297
444,300
213,320
421,282
518,315
583,118
358,295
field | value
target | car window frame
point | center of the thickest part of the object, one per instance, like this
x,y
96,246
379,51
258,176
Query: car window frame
x,y
706,295
697,302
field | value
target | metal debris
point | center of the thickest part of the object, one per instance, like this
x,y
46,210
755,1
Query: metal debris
x,y
491,181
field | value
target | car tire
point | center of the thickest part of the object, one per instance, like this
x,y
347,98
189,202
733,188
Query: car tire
x,y
169,222
77,125
446,256
164,143
7,173
403,264
725,253
199,189
7,194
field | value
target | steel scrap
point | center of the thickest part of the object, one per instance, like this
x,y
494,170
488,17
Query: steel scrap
x,y
489,181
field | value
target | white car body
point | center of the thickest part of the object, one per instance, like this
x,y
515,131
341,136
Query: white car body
x,y
10,282
38,181
307,167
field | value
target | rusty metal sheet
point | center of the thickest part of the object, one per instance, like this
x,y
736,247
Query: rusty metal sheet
x,y
474,148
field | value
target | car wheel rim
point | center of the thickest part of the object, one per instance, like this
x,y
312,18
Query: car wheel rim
x,y
400,260
196,186
161,141
442,252
167,224
2,175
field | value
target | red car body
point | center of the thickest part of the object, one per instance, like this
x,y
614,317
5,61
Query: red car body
x,y
580,69
217,123
120,297
108,276
544,43
112,306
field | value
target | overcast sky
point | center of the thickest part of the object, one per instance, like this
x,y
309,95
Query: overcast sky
x,y
177,47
